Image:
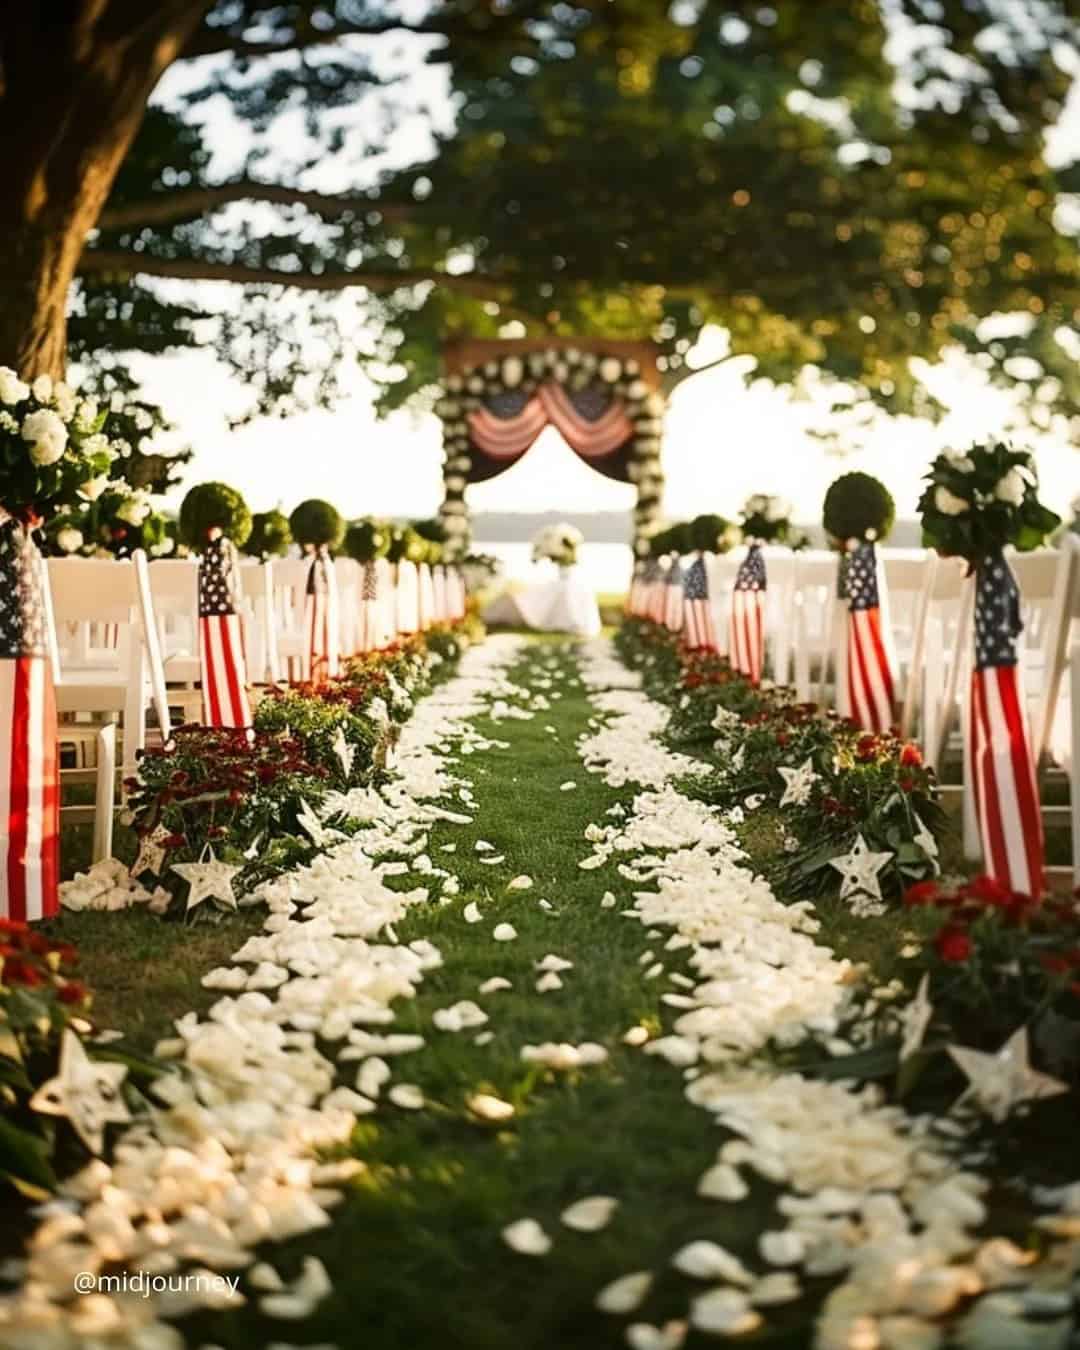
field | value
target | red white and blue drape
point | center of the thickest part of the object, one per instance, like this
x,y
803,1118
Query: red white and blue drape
x,y
746,648
1001,766
29,771
590,420
699,627
221,638
870,682
673,598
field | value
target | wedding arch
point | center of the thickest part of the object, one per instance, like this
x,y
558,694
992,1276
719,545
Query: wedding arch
x,y
603,396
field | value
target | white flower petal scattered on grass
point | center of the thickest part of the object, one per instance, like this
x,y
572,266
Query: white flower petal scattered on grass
x,y
591,1214
484,1038
636,1036
527,1238
482,846
471,912
553,962
625,1294
646,1336
568,786
548,982
408,1096
371,1077
724,1312
607,901
522,883
704,1260
504,932
782,1248
722,1182
564,1056
487,1107
493,859
495,984
462,1016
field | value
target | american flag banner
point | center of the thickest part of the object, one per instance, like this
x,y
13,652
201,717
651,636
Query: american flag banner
x,y
590,421
635,600
29,768
368,631
1002,769
746,646
673,597
656,592
322,645
871,687
699,629
221,638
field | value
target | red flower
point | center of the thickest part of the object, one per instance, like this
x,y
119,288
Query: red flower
x,y
922,893
866,748
906,784
782,738
72,992
986,889
953,944
22,972
911,756
174,841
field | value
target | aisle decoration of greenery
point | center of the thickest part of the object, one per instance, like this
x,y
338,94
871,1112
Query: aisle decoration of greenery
x,y
366,540
115,524
858,507
317,524
270,536
766,519
213,506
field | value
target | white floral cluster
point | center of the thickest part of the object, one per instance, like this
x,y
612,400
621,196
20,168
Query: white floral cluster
x,y
865,1192
109,885
1010,487
558,544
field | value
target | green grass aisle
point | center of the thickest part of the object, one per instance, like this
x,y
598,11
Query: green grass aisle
x,y
415,1253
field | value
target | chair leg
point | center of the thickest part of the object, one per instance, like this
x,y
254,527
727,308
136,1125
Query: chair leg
x,y
105,796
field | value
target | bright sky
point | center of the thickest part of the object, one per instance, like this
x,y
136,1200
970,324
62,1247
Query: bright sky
x,y
723,440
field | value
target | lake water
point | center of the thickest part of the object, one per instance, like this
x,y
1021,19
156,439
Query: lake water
x,y
604,567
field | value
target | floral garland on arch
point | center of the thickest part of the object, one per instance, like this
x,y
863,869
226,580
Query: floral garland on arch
x,y
465,391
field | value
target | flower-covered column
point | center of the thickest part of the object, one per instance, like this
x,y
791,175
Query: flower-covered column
x,y
29,770
221,646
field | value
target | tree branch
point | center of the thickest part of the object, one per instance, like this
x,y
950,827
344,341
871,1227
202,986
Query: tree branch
x,y
121,263
219,41
168,207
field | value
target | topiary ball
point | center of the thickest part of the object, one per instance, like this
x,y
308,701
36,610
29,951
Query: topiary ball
x,y
711,533
213,506
316,522
270,535
858,506
366,540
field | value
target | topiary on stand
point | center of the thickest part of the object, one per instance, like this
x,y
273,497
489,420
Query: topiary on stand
x,y
317,525
366,540
270,536
212,511
858,507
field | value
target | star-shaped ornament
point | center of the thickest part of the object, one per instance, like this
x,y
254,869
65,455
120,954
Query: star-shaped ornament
x,y
208,879
85,1090
798,783
929,845
859,871
151,852
915,1019
345,752
1002,1081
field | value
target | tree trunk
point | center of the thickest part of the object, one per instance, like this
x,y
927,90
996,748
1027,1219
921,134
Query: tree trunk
x,y
75,77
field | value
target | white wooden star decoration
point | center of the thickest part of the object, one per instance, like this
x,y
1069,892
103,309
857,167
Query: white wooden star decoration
x,y
209,879
151,852
85,1090
798,783
915,1018
926,841
859,877
345,752
1002,1081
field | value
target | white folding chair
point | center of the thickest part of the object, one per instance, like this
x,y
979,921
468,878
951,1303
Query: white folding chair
x,y
1045,580
350,579
813,600
1063,730
780,564
174,585
78,594
720,569
905,607
290,579
260,621
947,646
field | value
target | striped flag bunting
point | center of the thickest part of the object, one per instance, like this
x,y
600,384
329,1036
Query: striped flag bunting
x,y
871,688
322,645
29,769
221,638
590,421
673,597
1002,769
635,600
657,588
428,610
746,647
699,629
369,609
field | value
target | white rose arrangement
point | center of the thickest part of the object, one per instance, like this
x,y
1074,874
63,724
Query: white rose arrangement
x,y
558,544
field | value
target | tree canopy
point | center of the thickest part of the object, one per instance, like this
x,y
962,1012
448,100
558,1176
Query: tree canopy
x,y
846,185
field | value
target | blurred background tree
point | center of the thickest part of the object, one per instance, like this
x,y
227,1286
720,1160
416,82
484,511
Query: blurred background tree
x,y
846,186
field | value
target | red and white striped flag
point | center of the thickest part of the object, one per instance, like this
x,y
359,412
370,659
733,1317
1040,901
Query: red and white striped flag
x,y
635,600
673,597
322,646
746,649
871,689
369,609
1002,769
699,629
221,638
29,770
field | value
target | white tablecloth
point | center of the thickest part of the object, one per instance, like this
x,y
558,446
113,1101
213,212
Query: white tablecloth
x,y
565,605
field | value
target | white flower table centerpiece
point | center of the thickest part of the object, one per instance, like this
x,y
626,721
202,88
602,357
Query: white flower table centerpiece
x,y
564,605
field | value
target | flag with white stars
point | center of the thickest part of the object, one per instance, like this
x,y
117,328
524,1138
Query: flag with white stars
x,y
322,650
747,642
1001,766
29,771
699,628
871,687
368,636
221,637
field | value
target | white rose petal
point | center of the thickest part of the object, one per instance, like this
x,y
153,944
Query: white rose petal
x,y
495,984
527,1238
948,503
548,982
471,912
626,1293
487,1107
591,1214
724,1312
504,932
522,883
408,1096
704,1260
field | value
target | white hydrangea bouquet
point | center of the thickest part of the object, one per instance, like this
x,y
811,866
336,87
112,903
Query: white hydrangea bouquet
x,y
558,544
54,451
